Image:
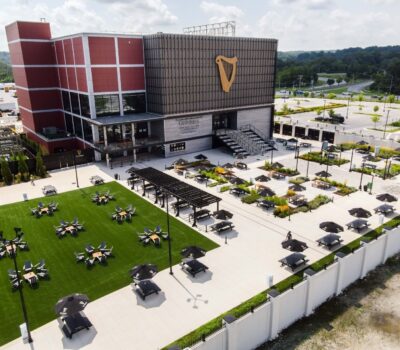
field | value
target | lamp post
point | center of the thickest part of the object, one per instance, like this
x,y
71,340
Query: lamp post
x,y
169,237
362,174
21,295
351,159
348,106
297,154
308,163
387,118
323,116
272,154
372,183
76,170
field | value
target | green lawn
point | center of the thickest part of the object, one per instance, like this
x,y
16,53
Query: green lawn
x,y
67,276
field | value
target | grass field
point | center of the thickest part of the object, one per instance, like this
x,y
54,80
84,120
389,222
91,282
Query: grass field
x,y
67,276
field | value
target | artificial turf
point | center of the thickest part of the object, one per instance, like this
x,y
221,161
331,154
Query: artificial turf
x,y
66,275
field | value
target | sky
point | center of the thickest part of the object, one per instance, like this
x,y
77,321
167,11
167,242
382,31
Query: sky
x,y
297,24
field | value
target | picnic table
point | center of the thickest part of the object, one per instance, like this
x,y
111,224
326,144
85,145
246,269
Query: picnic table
x,y
10,248
193,267
265,204
201,214
29,276
222,226
321,184
330,240
294,261
49,190
146,288
358,225
74,324
96,180
278,176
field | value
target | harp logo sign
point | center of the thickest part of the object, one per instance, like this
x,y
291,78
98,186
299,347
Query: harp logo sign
x,y
225,82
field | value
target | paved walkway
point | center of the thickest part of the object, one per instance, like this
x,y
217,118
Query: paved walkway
x,y
238,269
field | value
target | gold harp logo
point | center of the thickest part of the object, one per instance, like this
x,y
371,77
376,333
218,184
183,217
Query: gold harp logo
x,y
225,83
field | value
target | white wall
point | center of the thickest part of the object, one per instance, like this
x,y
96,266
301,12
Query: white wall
x,y
259,118
282,310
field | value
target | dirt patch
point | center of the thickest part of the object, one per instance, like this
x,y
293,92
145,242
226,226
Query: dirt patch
x,y
365,316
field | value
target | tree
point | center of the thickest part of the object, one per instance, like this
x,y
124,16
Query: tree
x,y
376,109
331,96
375,118
306,94
23,167
391,99
339,80
330,81
331,113
319,111
360,97
6,172
40,168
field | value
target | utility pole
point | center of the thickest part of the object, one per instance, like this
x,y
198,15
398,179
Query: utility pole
x,y
387,118
348,106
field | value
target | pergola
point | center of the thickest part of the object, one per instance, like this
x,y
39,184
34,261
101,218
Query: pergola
x,y
193,196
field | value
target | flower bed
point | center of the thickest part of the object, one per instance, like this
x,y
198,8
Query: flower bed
x,y
299,180
317,157
213,176
283,211
284,171
342,188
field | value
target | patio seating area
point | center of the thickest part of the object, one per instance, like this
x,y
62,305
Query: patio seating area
x,y
44,209
102,198
49,190
69,228
10,247
330,240
193,267
222,226
31,274
152,236
120,215
93,254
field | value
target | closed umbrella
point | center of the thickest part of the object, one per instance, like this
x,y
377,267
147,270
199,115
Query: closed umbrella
x,y
295,245
71,304
323,174
143,272
360,213
331,227
262,178
222,214
297,188
193,252
386,197
200,157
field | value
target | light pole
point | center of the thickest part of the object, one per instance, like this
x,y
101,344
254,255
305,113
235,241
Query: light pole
x,y
297,157
362,174
348,106
351,159
169,237
76,170
13,253
387,118
323,116
308,163
372,183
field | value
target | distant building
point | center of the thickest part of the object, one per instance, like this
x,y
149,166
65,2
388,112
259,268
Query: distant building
x,y
121,94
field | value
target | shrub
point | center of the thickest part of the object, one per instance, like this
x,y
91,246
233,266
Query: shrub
x,y
40,168
281,210
290,193
6,172
277,200
251,198
318,157
224,188
318,201
299,180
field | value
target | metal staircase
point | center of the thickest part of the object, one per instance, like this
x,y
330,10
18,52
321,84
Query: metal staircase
x,y
245,141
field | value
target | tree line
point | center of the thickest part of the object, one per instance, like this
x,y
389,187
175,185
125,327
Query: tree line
x,y
382,64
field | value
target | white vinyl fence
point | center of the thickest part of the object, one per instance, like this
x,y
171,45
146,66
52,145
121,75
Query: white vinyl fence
x,y
267,321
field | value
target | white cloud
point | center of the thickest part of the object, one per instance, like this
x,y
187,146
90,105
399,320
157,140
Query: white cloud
x,y
221,13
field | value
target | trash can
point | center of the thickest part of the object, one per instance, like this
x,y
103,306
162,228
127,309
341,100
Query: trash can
x,y
365,188
116,176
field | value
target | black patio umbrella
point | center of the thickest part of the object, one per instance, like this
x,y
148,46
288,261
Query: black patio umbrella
x,y
292,259
262,178
384,208
193,252
331,148
228,166
386,197
331,227
277,165
143,272
222,214
294,245
180,161
200,157
358,223
328,240
292,140
266,192
71,304
131,169
297,188
362,143
323,173
360,213
236,181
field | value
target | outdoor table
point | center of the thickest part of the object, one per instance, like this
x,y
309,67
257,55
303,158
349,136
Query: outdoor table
x,y
74,324
122,213
154,238
201,214
10,248
44,210
146,288
28,276
97,255
194,266
70,229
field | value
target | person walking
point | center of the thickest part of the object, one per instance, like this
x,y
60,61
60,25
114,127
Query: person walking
x,y
32,178
289,236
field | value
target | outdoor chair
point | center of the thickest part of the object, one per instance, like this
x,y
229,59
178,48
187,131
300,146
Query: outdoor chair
x,y
15,283
89,262
157,229
164,236
108,252
3,253
119,220
23,245
102,246
193,267
89,249
12,274
43,274
40,265
40,205
28,267
146,241
79,257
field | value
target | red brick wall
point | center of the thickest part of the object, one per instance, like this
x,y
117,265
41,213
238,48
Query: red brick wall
x,y
59,52
130,51
104,79
78,50
82,82
28,30
132,78
37,77
38,100
102,50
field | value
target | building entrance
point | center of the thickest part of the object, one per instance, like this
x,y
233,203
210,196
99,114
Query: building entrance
x,y
225,120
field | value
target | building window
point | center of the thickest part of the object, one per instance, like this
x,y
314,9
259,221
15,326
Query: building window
x,y
134,103
66,102
176,147
69,123
78,127
85,107
75,103
107,105
87,130
141,130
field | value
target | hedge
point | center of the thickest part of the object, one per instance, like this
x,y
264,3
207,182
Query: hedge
x,y
309,109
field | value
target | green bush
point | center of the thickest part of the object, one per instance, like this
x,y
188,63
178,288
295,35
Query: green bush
x,y
277,200
6,172
318,201
213,176
318,157
225,188
40,168
299,180
251,198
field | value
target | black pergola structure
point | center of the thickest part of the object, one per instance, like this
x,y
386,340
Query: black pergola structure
x,y
183,192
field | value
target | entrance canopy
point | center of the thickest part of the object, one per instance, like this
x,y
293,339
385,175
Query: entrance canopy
x,y
194,196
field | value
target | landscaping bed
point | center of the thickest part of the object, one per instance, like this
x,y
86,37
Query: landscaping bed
x,y
318,157
341,188
284,171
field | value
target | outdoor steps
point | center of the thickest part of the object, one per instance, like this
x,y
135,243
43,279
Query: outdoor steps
x,y
257,140
232,145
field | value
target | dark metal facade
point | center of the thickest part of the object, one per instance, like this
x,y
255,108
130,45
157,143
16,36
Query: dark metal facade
x,y
182,76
